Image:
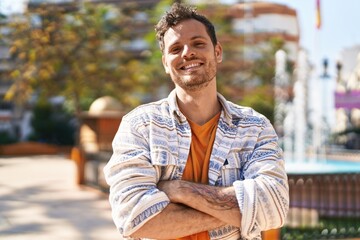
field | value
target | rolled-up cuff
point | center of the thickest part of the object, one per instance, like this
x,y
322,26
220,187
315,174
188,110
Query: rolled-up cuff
x,y
247,196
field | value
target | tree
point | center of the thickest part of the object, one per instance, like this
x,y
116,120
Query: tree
x,y
261,96
249,82
79,54
153,70
263,68
244,81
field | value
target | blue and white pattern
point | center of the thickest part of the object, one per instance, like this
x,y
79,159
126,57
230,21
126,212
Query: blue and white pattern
x,y
153,143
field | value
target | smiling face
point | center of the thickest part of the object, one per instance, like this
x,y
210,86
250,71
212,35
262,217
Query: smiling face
x,y
189,55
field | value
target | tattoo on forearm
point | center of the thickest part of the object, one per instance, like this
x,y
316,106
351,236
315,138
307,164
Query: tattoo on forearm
x,y
214,196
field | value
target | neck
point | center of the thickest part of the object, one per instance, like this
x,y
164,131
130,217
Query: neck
x,y
200,105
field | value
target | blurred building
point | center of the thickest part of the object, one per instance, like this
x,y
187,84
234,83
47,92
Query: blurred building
x,y
349,59
347,96
260,21
258,28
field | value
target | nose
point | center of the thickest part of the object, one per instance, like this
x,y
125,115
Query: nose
x,y
188,52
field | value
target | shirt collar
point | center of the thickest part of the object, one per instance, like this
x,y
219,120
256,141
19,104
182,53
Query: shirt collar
x,y
228,113
174,108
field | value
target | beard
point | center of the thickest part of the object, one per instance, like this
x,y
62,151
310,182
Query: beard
x,y
196,80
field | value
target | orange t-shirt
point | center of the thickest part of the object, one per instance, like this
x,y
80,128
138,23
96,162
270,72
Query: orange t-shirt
x,y
197,165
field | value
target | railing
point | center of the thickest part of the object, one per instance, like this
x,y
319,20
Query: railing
x,y
325,206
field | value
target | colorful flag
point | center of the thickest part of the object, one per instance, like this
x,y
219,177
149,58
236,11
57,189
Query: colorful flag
x,y
318,15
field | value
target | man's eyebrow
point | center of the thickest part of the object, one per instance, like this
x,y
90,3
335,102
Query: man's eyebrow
x,y
192,38
198,36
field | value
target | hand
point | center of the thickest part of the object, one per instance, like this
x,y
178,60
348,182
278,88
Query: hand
x,y
170,188
219,202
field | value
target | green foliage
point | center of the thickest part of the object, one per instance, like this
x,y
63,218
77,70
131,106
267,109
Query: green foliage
x,y
6,138
153,72
248,82
52,125
83,55
264,67
350,137
354,130
261,100
79,54
257,83
328,228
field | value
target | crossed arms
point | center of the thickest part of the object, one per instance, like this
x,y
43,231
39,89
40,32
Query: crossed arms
x,y
194,208
143,205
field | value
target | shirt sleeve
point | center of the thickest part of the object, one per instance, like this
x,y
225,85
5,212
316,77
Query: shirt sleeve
x,y
263,195
134,197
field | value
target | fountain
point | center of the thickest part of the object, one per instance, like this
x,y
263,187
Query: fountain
x,y
324,194
299,108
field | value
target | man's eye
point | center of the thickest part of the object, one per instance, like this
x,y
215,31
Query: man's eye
x,y
199,44
175,50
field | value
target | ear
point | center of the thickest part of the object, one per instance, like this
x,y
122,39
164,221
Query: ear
x,y
164,64
218,52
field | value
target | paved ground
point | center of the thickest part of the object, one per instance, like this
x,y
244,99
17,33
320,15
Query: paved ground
x,y
39,199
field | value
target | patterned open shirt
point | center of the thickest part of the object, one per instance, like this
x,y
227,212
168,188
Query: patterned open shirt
x,y
153,143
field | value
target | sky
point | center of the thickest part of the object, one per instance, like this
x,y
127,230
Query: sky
x,y
339,30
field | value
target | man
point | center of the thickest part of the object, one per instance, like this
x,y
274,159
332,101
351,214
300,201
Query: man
x,y
193,165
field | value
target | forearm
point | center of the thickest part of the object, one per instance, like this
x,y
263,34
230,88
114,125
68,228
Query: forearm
x,y
177,221
219,202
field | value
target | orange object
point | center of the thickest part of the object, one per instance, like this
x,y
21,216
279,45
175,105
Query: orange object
x,y
78,157
318,14
272,234
197,165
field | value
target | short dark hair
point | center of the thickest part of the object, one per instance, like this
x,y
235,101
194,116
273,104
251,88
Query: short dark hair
x,y
177,14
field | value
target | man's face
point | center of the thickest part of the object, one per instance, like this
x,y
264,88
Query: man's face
x,y
189,55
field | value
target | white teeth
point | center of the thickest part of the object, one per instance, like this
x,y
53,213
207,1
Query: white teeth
x,y
191,65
